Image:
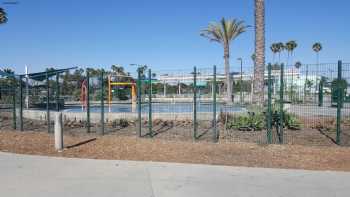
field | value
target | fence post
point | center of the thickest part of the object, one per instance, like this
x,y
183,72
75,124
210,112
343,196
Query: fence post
x,y
139,100
281,123
57,92
305,83
215,133
269,106
339,101
58,132
48,102
194,103
150,103
320,92
14,122
21,103
102,105
87,101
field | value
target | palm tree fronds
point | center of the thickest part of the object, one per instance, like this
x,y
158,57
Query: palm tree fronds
x,y
317,47
3,17
297,64
224,31
291,45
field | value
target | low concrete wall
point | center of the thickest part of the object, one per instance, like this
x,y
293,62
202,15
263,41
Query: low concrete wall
x,y
96,117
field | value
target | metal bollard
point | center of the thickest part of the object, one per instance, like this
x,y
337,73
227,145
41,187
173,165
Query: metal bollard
x,y
58,132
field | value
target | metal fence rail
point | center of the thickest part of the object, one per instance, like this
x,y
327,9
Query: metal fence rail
x,y
303,104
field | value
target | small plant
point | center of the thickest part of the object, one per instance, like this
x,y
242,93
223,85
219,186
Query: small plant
x,y
114,124
250,122
257,121
291,121
123,123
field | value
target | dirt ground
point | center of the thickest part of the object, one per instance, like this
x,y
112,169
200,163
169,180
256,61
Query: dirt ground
x,y
315,132
173,142
147,149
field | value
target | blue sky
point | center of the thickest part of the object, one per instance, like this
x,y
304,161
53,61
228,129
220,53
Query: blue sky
x,y
162,33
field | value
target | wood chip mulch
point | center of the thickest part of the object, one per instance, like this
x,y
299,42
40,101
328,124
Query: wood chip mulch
x,y
145,149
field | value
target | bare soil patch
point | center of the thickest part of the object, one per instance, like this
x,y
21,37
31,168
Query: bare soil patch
x,y
153,149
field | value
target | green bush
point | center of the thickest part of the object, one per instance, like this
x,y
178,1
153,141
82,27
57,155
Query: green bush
x,y
291,121
122,123
257,121
250,122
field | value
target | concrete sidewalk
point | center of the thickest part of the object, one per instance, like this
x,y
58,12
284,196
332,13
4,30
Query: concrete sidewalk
x,y
37,176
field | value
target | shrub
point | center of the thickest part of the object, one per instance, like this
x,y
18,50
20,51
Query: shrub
x,y
291,121
250,122
123,123
257,121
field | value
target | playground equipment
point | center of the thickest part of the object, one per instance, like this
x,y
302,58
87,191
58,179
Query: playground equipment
x,y
111,83
83,95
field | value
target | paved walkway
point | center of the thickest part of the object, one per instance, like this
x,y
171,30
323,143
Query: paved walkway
x,y
37,176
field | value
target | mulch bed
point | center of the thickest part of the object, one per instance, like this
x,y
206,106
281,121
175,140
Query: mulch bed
x,y
146,149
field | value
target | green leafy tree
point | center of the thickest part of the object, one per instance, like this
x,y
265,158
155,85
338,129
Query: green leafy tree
x,y
224,32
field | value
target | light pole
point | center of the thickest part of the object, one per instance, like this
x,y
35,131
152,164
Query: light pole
x,y
241,83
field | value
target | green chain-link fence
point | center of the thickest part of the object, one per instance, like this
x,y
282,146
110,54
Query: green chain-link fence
x,y
312,103
303,104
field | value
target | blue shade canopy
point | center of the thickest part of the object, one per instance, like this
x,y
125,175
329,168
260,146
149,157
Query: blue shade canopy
x,y
41,76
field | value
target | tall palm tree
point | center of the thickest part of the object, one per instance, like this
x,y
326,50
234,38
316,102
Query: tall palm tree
x,y
224,32
297,65
317,47
280,48
290,46
274,49
259,67
3,17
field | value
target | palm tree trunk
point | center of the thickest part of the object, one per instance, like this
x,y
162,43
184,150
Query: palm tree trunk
x,y
227,74
292,86
316,74
288,79
259,67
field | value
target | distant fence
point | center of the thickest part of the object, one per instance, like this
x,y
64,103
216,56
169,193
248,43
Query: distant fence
x,y
303,104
